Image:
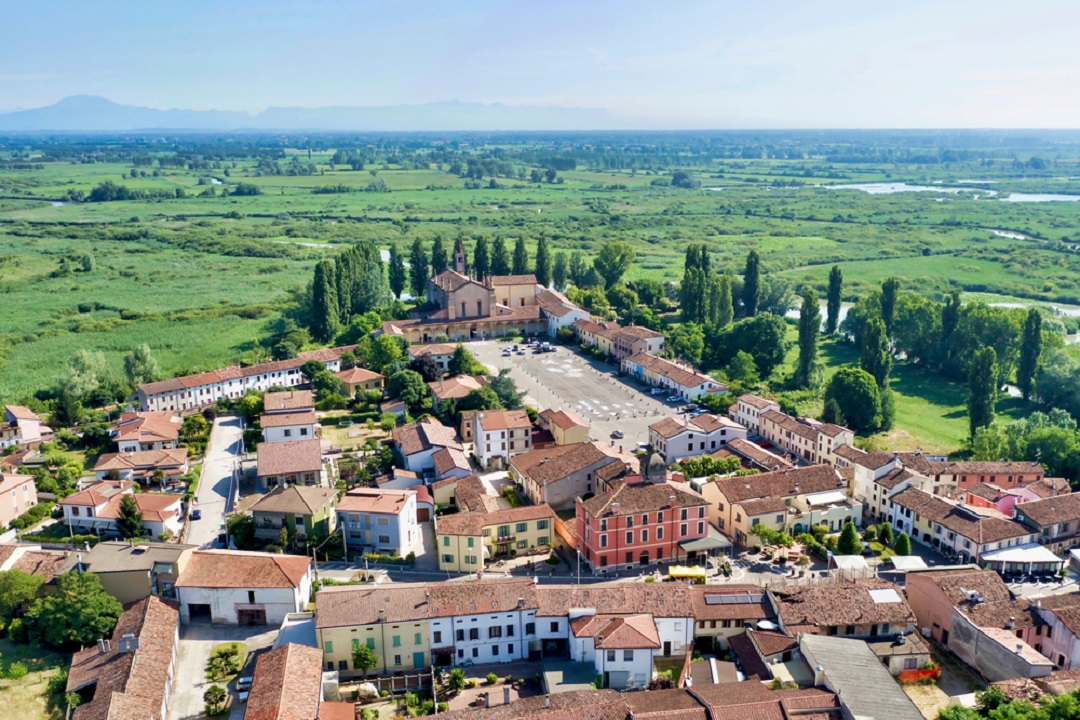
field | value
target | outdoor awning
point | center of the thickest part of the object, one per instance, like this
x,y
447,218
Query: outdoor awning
x,y
832,497
1029,553
906,563
710,542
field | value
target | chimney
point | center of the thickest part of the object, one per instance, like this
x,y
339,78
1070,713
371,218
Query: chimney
x,y
382,616
1019,648
427,598
614,508
671,501
1012,623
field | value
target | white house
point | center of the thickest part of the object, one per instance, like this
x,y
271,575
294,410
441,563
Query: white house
x,y
679,380
243,588
677,438
560,312
146,431
417,442
382,521
748,409
499,435
96,509
440,353
281,427
620,647
21,425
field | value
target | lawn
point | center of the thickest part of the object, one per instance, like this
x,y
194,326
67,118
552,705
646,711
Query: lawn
x,y
222,649
29,698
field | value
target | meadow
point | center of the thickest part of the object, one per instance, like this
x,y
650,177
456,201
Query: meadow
x,y
200,278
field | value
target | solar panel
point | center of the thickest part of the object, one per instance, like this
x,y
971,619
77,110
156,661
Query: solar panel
x,y
734,599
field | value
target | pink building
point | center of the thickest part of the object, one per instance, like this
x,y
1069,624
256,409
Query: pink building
x,y
638,524
17,495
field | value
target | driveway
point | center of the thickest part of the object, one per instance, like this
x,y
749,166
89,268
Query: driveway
x,y
217,483
590,389
196,642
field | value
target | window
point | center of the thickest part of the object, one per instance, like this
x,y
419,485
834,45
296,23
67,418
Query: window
x,y
645,536
755,522
509,631
660,516
910,663
343,665
476,652
884,628
779,519
522,544
629,522
522,527
396,642
684,516
701,528
251,597
494,632
470,559
460,635
446,541
682,530
530,628
542,540
849,630
629,538
510,648
628,655
328,647
494,650
384,521
303,431
397,660
555,626
470,542
384,539
448,559
288,432
541,524
659,533
603,541
474,633
371,643
436,637
611,656
416,639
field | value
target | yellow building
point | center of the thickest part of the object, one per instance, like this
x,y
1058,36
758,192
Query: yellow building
x,y
566,427
466,540
347,618
358,378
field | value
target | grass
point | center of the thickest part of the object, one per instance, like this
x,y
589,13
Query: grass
x,y
29,698
883,552
242,658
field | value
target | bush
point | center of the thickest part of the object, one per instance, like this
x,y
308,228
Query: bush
x,y
390,559
553,559
17,671
32,516
471,683
492,678
18,632
443,707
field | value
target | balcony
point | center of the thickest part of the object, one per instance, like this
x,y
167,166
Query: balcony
x,y
500,539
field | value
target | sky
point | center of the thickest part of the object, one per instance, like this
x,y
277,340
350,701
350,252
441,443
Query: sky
x,y
668,64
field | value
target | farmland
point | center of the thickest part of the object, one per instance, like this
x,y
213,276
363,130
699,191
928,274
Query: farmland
x,y
201,276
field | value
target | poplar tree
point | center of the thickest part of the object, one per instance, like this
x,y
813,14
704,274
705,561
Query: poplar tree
x,y
324,303
982,389
751,293
561,272
836,287
543,262
500,259
397,272
418,269
521,258
481,261
438,256
876,358
809,329
1030,349
889,290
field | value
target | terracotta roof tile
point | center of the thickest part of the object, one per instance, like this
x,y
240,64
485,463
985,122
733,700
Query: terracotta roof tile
x,y
43,563
143,460
745,602
146,427
473,523
503,420
679,374
955,584
757,455
960,520
424,435
238,569
772,642
548,465
356,375
498,280
381,502
285,419
288,457
1052,510
642,497
437,349
977,467
617,632
848,603
295,499
781,483
286,684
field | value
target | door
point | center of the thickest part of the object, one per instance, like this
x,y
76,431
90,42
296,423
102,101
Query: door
x,y
418,660
251,616
199,612
423,514
667,648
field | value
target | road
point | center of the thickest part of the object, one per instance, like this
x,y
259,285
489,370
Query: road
x,y
226,439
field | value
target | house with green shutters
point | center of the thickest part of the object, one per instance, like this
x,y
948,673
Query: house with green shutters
x,y
300,509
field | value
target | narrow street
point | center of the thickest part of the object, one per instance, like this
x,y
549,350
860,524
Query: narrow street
x,y
216,486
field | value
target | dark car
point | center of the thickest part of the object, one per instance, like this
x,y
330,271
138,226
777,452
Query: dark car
x,y
196,514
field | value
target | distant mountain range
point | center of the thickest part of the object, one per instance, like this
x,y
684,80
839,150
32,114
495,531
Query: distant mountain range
x,y
90,113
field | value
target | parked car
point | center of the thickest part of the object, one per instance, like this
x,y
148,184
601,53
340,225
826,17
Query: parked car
x,y
196,514
656,391
674,398
244,683
617,434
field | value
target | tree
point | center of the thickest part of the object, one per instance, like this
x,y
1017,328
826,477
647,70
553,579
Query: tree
x,y
213,698
80,612
427,367
982,389
481,258
325,309
808,370
521,258
500,258
613,261
692,295
833,298
722,308
849,543
687,341
85,373
398,276
742,369
438,256
418,269
129,522
456,680
751,294
856,394
140,366
623,299
885,534
889,290
463,362
989,700
364,658
17,590
578,268
560,272
1030,350
506,390
902,546
240,529
384,351
543,262
876,358
483,398
409,387
831,413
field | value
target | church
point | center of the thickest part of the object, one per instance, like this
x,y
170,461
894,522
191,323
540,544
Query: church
x,y
461,308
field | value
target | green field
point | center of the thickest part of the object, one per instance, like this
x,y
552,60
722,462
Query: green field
x,y
201,278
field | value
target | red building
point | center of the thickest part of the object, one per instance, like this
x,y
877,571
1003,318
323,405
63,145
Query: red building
x,y
641,523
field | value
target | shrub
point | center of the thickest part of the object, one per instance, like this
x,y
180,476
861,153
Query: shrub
x,y
18,632
471,683
552,559
492,678
509,679
17,671
443,707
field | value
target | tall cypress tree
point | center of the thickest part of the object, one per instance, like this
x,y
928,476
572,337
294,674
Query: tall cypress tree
x,y
521,258
500,259
950,318
982,389
836,289
1030,349
418,269
809,330
751,292
543,262
325,321
344,277
876,358
561,272
889,290
481,260
438,256
725,312
691,295
397,272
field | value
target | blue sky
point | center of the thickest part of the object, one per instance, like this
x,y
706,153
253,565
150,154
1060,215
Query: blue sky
x,y
706,64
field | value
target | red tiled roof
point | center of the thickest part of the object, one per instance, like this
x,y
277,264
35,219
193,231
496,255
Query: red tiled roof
x,y
617,632
381,502
286,684
498,280
288,457
473,523
147,427
548,465
355,375
1052,510
424,435
143,460
238,569
642,497
286,419
288,401
781,483
960,520
678,374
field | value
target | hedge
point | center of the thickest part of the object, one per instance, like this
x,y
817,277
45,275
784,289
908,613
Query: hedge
x,y
32,516
390,559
